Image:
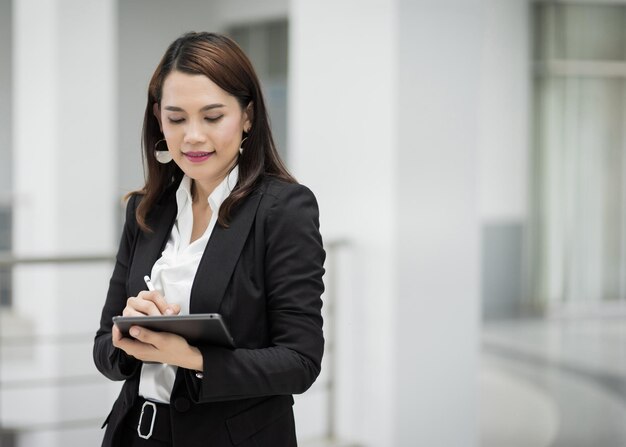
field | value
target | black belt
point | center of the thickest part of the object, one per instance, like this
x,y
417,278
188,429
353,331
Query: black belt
x,y
151,420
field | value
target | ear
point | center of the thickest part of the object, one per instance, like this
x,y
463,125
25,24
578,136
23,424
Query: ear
x,y
248,117
156,110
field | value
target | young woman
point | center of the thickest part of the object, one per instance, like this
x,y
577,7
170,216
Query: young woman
x,y
220,227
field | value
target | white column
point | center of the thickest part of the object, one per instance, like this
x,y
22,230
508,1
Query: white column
x,y
343,145
383,114
63,169
437,307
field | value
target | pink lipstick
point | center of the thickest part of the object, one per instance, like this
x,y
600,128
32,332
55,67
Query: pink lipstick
x,y
198,157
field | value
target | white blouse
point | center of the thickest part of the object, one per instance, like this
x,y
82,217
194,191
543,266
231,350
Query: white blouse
x,y
174,271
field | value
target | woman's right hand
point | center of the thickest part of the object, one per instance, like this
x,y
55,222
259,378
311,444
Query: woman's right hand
x,y
144,304
149,303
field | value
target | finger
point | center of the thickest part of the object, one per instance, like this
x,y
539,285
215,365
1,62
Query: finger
x,y
125,343
158,300
130,312
175,308
145,335
137,349
145,306
116,335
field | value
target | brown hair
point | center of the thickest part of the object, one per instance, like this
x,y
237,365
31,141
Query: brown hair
x,y
223,62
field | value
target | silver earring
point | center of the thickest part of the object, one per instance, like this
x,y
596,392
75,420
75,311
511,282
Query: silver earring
x,y
241,145
162,156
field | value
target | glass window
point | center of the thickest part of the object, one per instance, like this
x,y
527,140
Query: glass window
x,y
579,238
580,32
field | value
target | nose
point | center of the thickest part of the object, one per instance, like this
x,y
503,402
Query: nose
x,y
194,134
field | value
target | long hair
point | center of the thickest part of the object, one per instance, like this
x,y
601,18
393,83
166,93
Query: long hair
x,y
223,62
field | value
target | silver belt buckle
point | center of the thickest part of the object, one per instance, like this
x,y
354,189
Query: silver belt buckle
x,y
154,408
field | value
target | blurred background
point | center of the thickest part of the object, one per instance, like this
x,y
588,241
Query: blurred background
x,y
469,158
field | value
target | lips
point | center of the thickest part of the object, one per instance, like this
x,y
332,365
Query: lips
x,y
198,157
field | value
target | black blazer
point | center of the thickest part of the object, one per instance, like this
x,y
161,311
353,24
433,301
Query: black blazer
x,y
264,275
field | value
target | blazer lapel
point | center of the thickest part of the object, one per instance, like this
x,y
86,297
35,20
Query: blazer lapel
x,y
220,257
150,245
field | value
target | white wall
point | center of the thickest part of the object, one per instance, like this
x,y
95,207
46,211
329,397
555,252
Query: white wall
x,y
146,28
5,100
505,90
233,12
504,154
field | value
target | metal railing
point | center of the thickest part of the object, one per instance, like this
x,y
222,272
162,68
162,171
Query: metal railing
x,y
8,261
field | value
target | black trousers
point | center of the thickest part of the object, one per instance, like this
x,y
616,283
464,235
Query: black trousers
x,y
150,420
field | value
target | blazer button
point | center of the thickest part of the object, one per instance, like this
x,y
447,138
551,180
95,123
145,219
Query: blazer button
x,y
182,404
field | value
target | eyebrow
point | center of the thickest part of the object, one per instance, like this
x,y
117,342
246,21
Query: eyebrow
x,y
203,109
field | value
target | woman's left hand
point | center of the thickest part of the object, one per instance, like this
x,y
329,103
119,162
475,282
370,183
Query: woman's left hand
x,y
159,347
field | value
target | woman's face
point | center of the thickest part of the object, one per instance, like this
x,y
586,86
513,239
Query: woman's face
x,y
203,126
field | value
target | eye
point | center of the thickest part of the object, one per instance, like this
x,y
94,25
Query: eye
x,y
213,119
176,120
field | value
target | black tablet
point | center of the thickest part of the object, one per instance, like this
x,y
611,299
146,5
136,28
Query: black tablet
x,y
196,328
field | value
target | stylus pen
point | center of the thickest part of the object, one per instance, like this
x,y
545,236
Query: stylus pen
x,y
149,283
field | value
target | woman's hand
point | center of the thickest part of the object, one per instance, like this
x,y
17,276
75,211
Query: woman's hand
x,y
150,346
149,303
160,347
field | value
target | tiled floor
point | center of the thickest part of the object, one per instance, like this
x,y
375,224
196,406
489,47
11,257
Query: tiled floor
x,y
551,383
554,383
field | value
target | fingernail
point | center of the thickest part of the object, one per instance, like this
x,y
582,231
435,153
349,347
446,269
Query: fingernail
x,y
169,311
134,331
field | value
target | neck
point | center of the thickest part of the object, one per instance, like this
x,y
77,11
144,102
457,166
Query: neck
x,y
202,189
200,192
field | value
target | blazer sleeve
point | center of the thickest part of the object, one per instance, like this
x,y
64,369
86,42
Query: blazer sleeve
x,y
294,266
111,361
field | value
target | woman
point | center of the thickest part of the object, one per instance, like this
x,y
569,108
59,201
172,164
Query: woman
x,y
220,227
